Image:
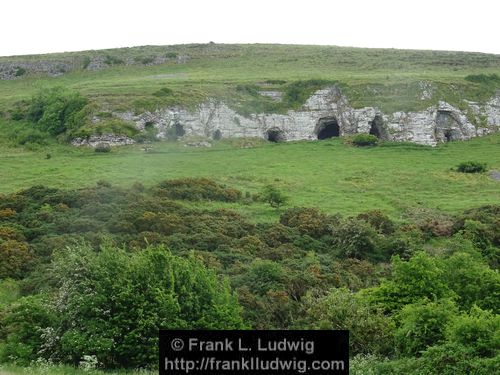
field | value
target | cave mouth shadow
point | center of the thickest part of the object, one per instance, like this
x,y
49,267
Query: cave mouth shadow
x,y
275,135
446,127
377,128
327,127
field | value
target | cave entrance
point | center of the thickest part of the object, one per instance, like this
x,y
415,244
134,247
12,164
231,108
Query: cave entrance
x,y
377,127
446,126
275,135
448,136
217,135
327,128
179,130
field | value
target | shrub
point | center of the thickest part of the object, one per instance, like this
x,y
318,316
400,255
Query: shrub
x,y
23,324
469,276
308,221
196,189
112,303
20,71
479,331
422,325
163,92
264,276
113,60
378,220
454,359
471,167
273,196
410,282
57,110
369,330
362,140
102,147
356,238
15,259
483,78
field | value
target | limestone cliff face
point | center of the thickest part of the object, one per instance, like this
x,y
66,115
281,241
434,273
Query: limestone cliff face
x,y
326,113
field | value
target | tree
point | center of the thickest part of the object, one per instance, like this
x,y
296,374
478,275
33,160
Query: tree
x,y
274,197
111,304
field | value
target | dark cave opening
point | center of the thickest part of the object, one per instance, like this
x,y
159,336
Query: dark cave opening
x,y
327,128
217,135
377,127
275,135
179,130
448,136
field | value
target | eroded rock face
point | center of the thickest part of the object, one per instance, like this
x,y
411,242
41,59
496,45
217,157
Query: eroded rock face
x,y
441,123
109,139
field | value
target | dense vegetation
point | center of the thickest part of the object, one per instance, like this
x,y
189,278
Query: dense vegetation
x,y
93,262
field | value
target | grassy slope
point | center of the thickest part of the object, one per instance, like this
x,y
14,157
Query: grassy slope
x,y
325,174
381,77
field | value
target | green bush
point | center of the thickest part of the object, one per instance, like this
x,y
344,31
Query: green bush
x,y
362,140
273,196
370,331
479,330
483,78
309,221
163,92
455,359
422,325
420,278
57,110
471,167
22,327
112,303
20,71
474,282
378,220
113,60
355,238
196,189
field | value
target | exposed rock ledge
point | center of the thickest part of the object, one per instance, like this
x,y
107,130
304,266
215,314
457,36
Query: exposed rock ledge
x,y
326,113
110,139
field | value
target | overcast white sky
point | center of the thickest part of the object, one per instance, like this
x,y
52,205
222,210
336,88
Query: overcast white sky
x,y
40,26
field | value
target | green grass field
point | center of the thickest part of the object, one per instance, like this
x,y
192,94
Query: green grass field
x,y
331,175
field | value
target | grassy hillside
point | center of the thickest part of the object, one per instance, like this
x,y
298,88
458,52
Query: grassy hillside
x,y
327,174
387,78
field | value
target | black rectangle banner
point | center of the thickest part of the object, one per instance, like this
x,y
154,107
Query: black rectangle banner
x,y
254,352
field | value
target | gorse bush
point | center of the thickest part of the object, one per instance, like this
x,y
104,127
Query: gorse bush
x,y
195,189
471,167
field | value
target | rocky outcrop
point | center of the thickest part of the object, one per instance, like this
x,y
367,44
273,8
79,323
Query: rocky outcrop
x,y
17,69
326,113
105,139
13,70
